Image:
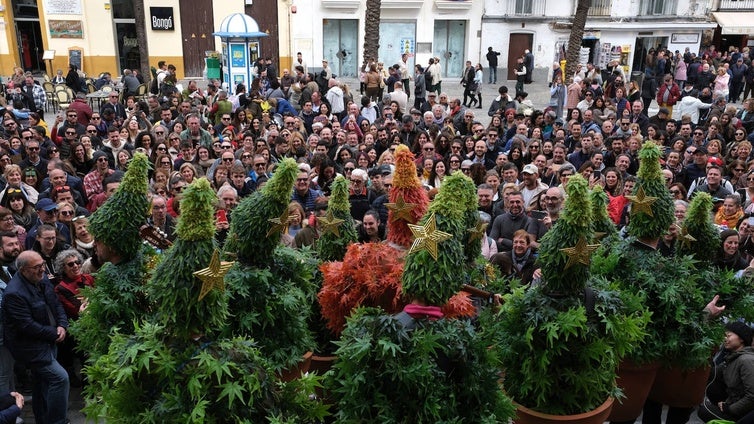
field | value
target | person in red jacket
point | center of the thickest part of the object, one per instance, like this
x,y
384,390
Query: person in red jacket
x,y
668,94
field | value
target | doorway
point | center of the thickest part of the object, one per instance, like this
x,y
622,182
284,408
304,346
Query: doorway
x,y
28,35
449,44
395,39
196,32
340,45
643,44
518,43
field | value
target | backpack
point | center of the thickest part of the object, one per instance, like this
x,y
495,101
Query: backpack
x,y
427,78
153,87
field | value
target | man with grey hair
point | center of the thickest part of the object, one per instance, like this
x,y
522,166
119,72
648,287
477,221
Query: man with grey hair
x,y
32,337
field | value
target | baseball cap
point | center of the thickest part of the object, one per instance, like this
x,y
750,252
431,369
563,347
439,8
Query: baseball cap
x,y
701,149
559,121
530,169
664,110
45,204
717,161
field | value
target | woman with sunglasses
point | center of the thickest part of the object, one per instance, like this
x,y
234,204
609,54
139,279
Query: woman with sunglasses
x,y
66,212
735,174
164,162
71,280
16,179
8,224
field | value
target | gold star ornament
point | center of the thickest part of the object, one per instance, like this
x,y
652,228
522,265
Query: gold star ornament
x,y
641,202
212,276
330,224
278,224
478,231
427,236
581,253
685,238
401,210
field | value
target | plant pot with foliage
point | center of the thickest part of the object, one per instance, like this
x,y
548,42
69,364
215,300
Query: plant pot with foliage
x,y
560,342
418,365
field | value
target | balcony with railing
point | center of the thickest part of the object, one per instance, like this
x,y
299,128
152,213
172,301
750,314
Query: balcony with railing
x,y
600,8
525,8
736,5
658,7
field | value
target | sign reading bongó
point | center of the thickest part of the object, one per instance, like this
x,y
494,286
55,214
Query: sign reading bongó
x,y
162,18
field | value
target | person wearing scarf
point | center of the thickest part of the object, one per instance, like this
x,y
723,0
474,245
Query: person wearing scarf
x,y
730,212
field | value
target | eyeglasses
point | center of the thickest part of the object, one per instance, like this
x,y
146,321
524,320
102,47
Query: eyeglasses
x,y
101,159
10,124
738,170
349,169
95,117
179,189
66,213
465,170
62,188
165,162
227,159
28,138
691,152
81,217
245,156
750,179
698,133
8,218
302,180
534,146
72,115
260,165
159,132
566,174
226,147
91,131
32,149
70,133
73,263
740,133
162,149
429,149
225,119
290,123
551,198
625,123
357,181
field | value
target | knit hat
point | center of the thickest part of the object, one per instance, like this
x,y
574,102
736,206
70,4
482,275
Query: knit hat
x,y
741,330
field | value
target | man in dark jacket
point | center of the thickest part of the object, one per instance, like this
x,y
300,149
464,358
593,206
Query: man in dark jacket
x,y
34,323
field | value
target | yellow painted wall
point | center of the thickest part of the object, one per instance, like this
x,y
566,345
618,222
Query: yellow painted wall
x,y
98,43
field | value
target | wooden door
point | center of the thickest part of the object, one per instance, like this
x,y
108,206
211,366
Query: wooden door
x,y
265,12
518,43
196,31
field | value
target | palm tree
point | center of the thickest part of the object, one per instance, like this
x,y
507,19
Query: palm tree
x,y
577,33
372,29
141,38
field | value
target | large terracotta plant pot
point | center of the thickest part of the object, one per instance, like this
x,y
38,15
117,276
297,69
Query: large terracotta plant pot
x,y
298,370
321,364
635,381
676,387
525,415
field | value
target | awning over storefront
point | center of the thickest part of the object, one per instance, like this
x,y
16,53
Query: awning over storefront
x,y
741,23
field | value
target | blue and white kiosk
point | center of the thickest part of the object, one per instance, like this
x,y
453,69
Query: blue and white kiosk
x,y
240,36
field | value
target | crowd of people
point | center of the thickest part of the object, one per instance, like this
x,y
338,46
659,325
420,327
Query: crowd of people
x,y
55,174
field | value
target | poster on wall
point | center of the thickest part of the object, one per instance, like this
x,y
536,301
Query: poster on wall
x,y
63,7
66,29
239,79
237,56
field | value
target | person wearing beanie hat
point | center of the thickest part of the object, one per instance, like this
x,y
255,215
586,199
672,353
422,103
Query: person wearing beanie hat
x,y
730,394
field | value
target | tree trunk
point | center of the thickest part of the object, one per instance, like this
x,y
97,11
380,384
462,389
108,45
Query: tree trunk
x,y
141,38
574,41
372,29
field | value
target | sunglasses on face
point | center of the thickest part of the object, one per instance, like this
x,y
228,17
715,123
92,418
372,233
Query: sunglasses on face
x,y
66,213
73,263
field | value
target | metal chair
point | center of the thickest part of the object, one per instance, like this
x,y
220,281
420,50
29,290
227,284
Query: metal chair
x,y
63,99
90,88
141,92
49,88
